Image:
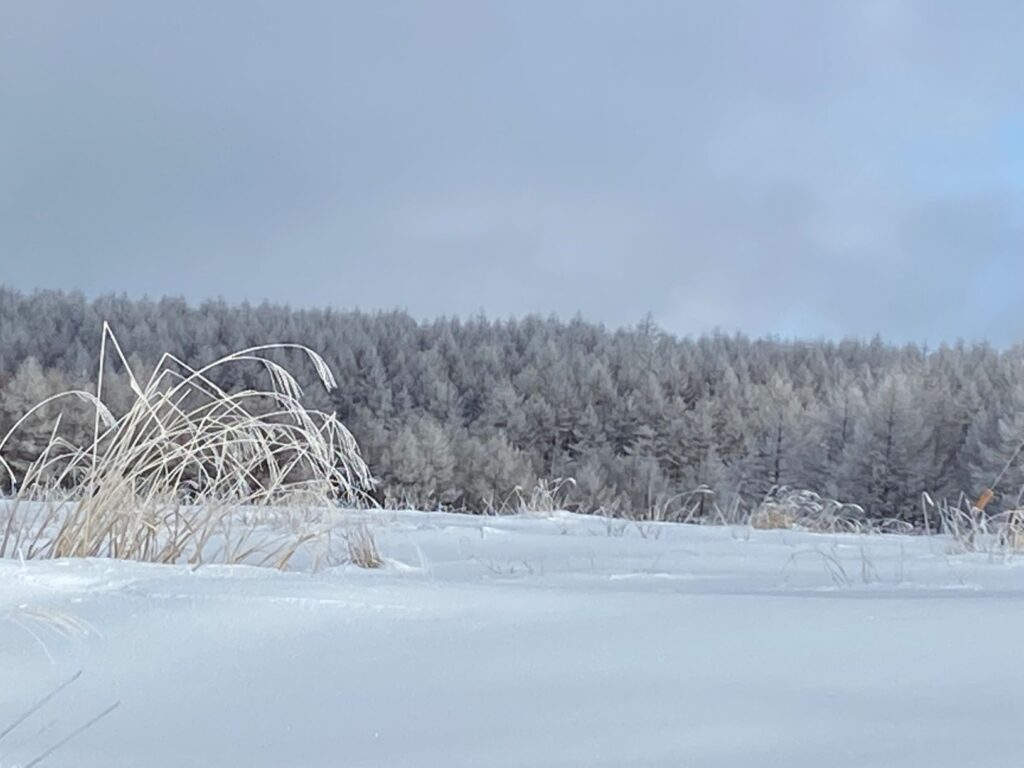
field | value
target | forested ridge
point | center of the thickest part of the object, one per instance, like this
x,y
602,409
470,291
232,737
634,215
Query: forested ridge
x,y
459,413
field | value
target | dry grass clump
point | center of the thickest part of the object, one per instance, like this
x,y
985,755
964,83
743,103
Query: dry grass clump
x,y
971,529
784,508
162,481
545,498
1012,529
772,517
362,547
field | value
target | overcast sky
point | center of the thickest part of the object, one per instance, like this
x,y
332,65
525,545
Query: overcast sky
x,y
803,169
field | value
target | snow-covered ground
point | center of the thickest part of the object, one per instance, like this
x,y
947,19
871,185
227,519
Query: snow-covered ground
x,y
562,641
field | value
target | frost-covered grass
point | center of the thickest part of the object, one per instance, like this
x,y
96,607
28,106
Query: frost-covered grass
x,y
199,535
553,640
120,491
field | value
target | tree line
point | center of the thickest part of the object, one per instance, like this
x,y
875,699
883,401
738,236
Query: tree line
x,y
460,413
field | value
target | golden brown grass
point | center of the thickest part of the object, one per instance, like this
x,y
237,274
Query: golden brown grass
x,y
362,547
772,517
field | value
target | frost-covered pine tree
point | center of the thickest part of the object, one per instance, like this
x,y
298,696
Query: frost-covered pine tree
x,y
883,469
630,413
29,386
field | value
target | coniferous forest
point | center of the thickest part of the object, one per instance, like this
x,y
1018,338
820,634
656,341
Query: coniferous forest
x,y
459,413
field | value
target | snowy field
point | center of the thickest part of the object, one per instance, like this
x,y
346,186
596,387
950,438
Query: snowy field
x,y
560,641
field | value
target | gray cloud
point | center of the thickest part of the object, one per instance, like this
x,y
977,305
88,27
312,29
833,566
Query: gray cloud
x,y
801,168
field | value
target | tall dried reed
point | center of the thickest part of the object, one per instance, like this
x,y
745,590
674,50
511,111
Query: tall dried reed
x,y
161,481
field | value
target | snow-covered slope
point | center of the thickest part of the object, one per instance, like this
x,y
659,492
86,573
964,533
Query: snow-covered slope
x,y
563,641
